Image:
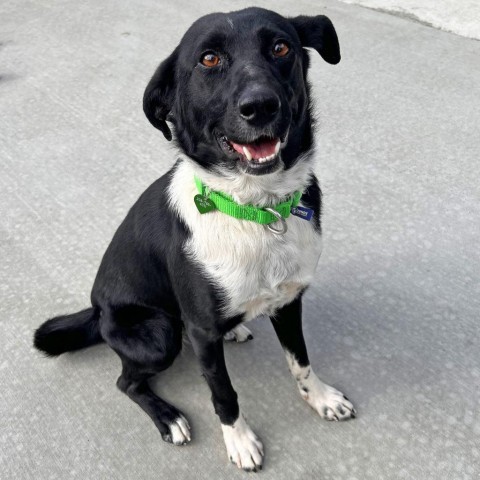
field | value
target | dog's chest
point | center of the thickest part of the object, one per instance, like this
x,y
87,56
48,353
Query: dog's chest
x,y
257,271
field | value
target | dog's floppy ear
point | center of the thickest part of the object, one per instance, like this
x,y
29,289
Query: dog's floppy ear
x,y
160,94
318,33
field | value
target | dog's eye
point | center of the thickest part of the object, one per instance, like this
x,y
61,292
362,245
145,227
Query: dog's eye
x,y
280,49
210,59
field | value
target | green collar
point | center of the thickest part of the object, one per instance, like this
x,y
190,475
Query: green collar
x,y
208,200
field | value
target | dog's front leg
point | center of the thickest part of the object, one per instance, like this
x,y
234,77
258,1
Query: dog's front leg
x,y
326,400
243,447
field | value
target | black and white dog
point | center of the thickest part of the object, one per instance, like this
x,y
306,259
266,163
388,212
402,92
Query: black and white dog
x,y
235,91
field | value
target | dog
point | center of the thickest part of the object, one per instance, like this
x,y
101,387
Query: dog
x,y
230,233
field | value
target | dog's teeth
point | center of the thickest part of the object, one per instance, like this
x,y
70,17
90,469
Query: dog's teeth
x,y
247,153
265,159
249,156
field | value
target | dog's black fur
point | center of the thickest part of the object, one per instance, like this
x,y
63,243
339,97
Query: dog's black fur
x,y
147,291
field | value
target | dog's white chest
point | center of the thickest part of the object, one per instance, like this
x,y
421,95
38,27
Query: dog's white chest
x,y
258,270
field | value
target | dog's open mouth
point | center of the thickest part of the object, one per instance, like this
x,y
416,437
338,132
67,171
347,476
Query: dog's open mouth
x,y
259,155
260,151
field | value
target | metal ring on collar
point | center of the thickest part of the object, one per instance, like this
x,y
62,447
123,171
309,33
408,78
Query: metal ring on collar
x,y
283,223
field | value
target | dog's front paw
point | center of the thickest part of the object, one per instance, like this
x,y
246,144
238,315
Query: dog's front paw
x,y
328,402
238,334
243,446
177,431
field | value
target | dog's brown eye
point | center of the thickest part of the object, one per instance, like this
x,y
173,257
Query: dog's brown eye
x,y
280,49
209,59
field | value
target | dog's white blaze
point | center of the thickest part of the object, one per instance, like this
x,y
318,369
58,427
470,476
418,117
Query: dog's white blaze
x,y
258,270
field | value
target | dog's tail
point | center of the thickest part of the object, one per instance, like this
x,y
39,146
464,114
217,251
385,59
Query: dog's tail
x,y
68,332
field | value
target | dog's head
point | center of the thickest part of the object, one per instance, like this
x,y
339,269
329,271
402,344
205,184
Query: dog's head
x,y
235,89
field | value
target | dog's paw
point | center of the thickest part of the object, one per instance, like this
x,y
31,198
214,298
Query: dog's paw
x,y
244,449
178,431
238,334
328,402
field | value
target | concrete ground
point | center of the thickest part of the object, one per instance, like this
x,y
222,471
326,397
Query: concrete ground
x,y
457,16
392,318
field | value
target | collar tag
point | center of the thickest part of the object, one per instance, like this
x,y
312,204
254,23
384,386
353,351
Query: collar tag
x,y
302,212
203,203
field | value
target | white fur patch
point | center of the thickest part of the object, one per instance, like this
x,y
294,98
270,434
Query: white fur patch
x,y
239,334
326,400
258,270
243,446
180,431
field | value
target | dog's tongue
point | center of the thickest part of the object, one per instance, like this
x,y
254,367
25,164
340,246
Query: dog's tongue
x,y
258,149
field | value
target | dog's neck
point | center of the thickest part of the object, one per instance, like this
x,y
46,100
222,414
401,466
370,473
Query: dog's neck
x,y
261,190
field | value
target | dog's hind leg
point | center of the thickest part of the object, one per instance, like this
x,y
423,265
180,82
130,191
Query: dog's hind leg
x,y
171,423
239,334
147,342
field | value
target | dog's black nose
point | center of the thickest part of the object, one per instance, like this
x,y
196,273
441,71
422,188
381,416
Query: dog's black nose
x,y
259,105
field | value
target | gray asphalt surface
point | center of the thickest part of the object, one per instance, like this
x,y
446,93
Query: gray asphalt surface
x,y
392,318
